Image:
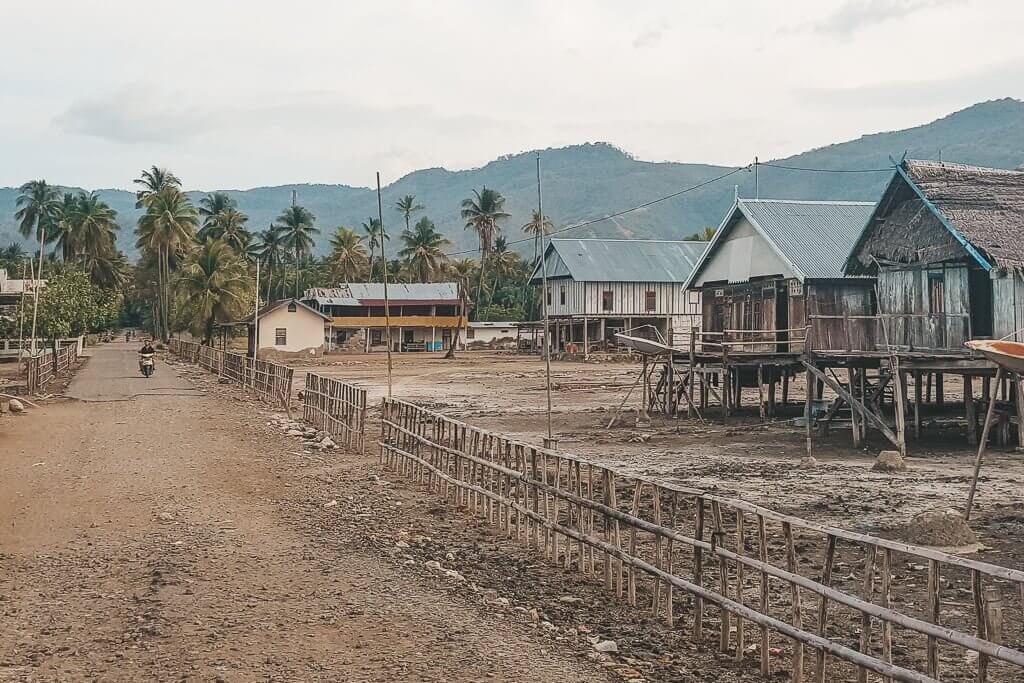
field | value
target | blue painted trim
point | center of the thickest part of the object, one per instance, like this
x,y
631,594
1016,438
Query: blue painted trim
x,y
942,219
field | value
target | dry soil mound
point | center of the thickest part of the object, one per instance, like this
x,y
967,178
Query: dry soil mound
x,y
939,528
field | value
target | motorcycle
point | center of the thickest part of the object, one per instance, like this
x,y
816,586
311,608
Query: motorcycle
x,y
147,365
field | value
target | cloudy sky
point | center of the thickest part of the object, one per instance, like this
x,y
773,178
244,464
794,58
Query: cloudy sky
x,y
263,92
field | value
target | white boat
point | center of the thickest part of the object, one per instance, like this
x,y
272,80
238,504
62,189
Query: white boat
x,y
1007,354
645,346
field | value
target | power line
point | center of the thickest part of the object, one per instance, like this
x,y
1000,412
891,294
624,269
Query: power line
x,y
828,170
584,224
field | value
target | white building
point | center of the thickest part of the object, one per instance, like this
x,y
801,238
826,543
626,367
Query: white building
x,y
597,287
489,335
291,326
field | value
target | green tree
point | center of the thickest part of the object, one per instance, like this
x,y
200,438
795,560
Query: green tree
x,y
348,259
214,287
462,272
269,250
87,227
296,226
423,250
375,237
705,235
166,231
71,305
537,227
407,206
482,213
227,225
212,206
152,181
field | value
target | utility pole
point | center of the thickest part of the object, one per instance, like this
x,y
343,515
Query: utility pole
x,y
256,318
384,262
548,442
757,194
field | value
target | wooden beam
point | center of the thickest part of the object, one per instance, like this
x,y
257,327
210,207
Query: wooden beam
x,y
854,403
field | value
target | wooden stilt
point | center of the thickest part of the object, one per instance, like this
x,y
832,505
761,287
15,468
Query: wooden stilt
x,y
970,411
900,398
983,442
851,375
917,404
808,407
939,398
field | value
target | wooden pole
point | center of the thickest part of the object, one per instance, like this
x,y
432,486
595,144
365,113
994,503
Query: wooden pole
x,y
984,441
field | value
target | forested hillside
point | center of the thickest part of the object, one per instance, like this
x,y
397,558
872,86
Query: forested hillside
x,y
589,181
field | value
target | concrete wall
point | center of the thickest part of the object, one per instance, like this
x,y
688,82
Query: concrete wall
x,y
305,330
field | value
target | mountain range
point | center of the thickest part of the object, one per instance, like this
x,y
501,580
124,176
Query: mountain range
x,y
590,181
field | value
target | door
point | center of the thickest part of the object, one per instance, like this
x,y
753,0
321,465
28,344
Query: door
x,y
782,317
979,289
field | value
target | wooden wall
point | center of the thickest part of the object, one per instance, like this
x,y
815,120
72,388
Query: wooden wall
x,y
628,299
904,300
839,298
1008,305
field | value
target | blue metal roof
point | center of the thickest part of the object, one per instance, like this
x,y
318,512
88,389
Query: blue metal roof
x,y
597,260
814,237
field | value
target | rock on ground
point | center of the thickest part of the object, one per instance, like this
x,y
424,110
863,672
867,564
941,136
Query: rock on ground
x,y
889,461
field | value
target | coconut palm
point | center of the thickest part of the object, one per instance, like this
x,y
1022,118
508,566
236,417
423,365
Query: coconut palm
x,y
269,250
87,226
213,286
296,225
348,255
424,250
462,272
407,206
375,237
538,225
229,225
107,269
482,213
166,231
214,204
152,181
12,256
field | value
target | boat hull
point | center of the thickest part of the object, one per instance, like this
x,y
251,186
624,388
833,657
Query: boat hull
x,y
1007,354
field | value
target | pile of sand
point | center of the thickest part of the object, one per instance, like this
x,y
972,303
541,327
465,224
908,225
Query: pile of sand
x,y
939,528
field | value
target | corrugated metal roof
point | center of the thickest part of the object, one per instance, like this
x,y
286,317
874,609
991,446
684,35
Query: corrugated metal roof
x,y
352,294
815,237
597,260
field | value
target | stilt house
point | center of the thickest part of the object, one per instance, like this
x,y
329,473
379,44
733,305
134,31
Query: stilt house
x,y
774,266
597,287
946,243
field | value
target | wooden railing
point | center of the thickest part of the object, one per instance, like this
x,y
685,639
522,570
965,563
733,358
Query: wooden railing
x,y
270,381
860,603
47,366
336,407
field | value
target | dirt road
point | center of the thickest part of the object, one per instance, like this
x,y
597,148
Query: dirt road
x,y
151,531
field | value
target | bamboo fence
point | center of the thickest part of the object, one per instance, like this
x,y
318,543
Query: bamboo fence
x,y
846,605
336,407
270,381
42,369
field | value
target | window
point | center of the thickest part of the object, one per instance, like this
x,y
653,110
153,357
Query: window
x,y
936,290
470,333
650,301
796,288
548,296
280,336
561,295
607,301
693,296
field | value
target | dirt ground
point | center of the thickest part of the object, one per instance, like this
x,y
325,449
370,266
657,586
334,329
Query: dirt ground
x,y
746,458
172,532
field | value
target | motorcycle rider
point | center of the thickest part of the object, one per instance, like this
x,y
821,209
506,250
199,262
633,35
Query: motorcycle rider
x,y
146,352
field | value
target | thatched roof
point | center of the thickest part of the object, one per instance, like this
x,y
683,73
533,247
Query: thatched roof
x,y
933,211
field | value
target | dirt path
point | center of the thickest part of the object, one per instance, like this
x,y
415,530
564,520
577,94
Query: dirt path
x,y
174,536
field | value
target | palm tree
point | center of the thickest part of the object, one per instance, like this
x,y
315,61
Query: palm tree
x,y
166,229
107,269
270,251
348,255
37,205
375,237
12,256
229,225
424,250
214,204
463,272
152,182
88,226
407,206
296,225
538,226
213,286
482,212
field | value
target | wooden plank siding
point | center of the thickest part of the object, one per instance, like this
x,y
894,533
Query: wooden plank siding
x,y
1008,304
912,315
629,299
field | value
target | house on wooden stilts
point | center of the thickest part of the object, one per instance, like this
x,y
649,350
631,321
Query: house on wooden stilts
x,y
946,244
772,280
597,287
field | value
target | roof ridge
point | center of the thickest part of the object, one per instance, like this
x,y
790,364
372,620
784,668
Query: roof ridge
x,y
955,166
621,239
837,202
